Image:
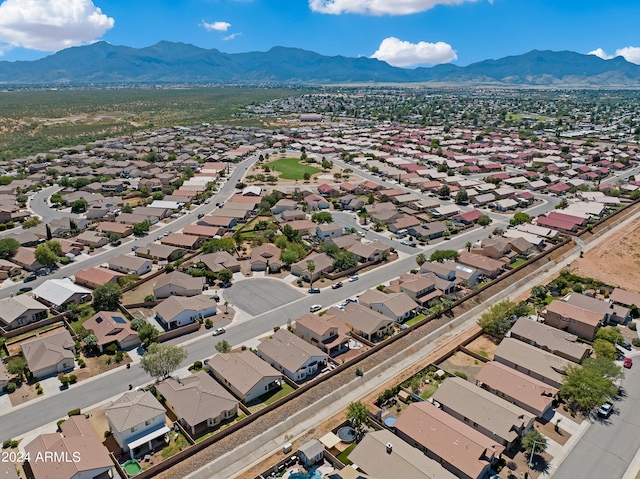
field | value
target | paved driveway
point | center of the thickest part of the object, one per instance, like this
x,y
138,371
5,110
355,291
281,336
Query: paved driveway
x,y
258,296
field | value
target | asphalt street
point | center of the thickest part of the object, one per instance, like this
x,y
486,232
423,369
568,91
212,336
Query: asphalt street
x,y
607,448
259,295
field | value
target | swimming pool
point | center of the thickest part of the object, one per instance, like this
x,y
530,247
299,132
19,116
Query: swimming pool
x,y
314,474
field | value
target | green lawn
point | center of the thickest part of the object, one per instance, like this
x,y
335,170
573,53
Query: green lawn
x,y
518,262
343,456
428,391
269,398
292,169
514,116
415,320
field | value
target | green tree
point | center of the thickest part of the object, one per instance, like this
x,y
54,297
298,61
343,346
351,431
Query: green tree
x,y
293,236
288,257
8,247
496,320
441,255
357,414
79,206
468,245
45,256
223,346
322,217
141,228
484,220
137,323
444,192
106,297
345,260
564,204
462,197
539,293
311,267
609,334
128,280
55,246
585,388
160,361
17,366
306,176
148,334
604,349
225,276
91,340
223,244
56,199
531,437
421,259
127,208
520,218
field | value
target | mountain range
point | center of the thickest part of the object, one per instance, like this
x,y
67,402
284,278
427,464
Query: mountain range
x,y
166,62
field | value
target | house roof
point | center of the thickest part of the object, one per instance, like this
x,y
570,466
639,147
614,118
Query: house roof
x,y
96,275
576,313
627,298
448,438
25,256
48,351
181,240
197,398
288,350
361,319
14,307
322,261
242,370
175,305
204,231
132,409
403,461
533,359
517,385
483,408
480,262
398,303
77,439
109,327
219,260
181,280
549,338
596,305
129,262
266,252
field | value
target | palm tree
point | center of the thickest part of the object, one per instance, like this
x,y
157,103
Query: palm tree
x,y
311,267
421,259
468,245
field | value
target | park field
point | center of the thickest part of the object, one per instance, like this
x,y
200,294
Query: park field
x,y
292,169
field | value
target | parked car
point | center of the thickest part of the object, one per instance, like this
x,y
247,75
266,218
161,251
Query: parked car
x,y
314,290
159,238
336,285
605,410
353,278
31,277
216,298
218,331
133,248
116,243
315,307
351,300
625,344
628,362
26,289
200,215
166,233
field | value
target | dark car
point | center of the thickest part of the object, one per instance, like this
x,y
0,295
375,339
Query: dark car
x,y
116,243
200,215
336,285
625,344
314,290
26,289
31,277
216,298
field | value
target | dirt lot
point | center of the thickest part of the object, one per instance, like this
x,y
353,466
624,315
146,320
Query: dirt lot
x,y
461,362
25,392
485,346
97,364
615,262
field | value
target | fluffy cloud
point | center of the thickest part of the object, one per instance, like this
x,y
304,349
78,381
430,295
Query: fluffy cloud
x,y
232,36
631,54
51,25
218,26
378,7
399,53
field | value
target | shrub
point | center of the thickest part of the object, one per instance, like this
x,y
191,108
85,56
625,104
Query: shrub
x,y
119,356
73,379
636,342
74,412
81,363
38,391
60,422
111,349
149,298
243,348
14,444
460,374
632,326
208,324
197,365
6,444
107,361
11,387
64,380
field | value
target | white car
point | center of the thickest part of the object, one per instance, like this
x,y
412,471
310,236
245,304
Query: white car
x,y
315,307
218,331
353,278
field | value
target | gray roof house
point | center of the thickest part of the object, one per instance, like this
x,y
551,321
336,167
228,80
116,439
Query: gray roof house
x,y
50,355
177,283
552,340
21,310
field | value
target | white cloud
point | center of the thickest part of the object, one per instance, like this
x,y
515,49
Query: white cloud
x,y
631,54
51,25
217,26
232,36
399,53
378,7
599,52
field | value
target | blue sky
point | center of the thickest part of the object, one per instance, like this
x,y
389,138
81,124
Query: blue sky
x,y
404,33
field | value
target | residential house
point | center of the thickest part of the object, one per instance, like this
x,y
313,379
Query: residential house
x,y
573,319
532,361
184,241
206,232
198,401
383,455
136,420
18,311
325,332
266,257
94,277
491,415
316,202
220,260
460,449
322,261
112,328
80,453
177,283
291,215
328,190
292,355
130,264
421,289
177,311
26,259
8,269
351,188
331,230
284,204
468,217
58,293
50,355
552,340
450,271
228,223
365,322
397,306
490,267
624,298
92,238
350,202
404,223
524,391
305,227
246,375
428,231
369,252
160,252
613,313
